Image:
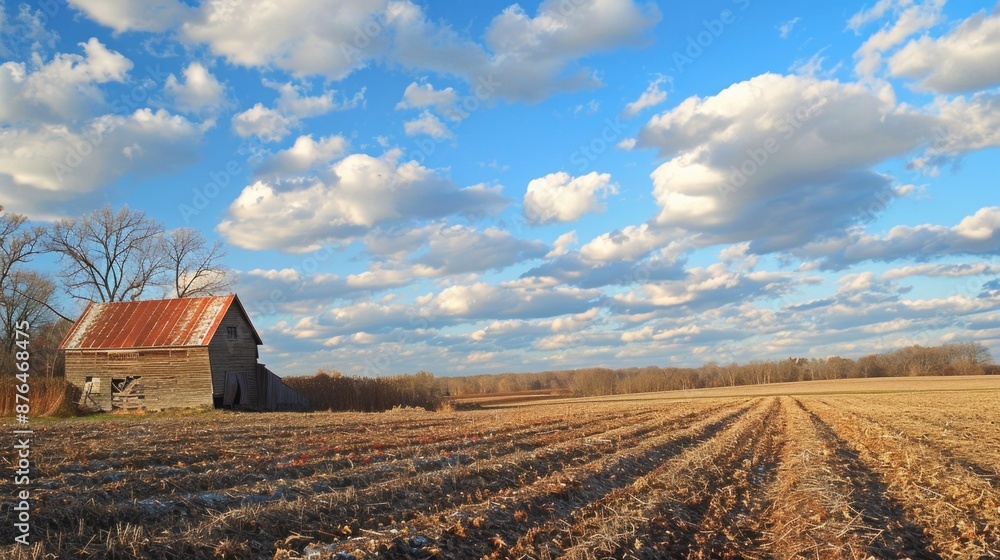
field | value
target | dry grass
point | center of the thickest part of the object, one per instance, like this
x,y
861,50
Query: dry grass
x,y
53,397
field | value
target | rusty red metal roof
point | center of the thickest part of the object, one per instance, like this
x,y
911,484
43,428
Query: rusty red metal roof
x,y
151,324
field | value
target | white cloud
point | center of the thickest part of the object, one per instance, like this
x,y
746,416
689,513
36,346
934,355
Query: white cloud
x,y
978,234
557,197
868,15
418,96
304,155
294,102
962,60
531,53
27,31
785,29
651,97
501,304
574,323
562,245
292,105
460,250
427,123
199,92
310,37
942,271
912,17
813,66
777,160
626,144
707,288
967,125
438,250
856,283
628,244
46,169
357,193
264,123
62,89
523,57
126,15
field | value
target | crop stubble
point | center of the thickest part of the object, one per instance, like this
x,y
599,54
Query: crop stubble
x,y
846,476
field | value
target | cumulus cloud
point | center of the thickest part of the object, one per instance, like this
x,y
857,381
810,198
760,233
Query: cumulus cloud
x,y
428,124
628,244
353,195
574,269
461,249
199,92
777,160
419,96
651,97
44,168
961,60
293,100
531,54
706,288
313,38
911,17
64,88
304,155
292,105
438,250
264,123
517,300
61,141
558,197
964,125
978,234
527,57
126,15
562,245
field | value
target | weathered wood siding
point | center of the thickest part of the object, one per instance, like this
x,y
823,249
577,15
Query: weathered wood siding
x,y
237,355
171,377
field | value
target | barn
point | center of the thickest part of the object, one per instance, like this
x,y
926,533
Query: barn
x,y
170,353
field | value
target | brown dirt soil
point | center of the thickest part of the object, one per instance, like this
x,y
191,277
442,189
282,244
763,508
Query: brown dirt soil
x,y
817,476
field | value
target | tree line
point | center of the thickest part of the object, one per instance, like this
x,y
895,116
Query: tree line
x,y
961,358
106,255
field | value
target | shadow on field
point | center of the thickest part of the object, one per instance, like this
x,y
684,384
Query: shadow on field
x,y
897,536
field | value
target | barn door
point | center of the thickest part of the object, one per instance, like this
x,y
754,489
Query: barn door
x,y
235,393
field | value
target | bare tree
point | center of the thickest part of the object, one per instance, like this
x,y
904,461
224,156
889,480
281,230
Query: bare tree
x,y
108,255
195,266
46,358
18,289
971,352
17,245
25,301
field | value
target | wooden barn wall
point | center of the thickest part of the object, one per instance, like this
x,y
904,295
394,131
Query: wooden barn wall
x,y
237,356
176,377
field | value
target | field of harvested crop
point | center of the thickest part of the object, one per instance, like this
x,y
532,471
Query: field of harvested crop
x,y
817,476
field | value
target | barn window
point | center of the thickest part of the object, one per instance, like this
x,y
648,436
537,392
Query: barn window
x,y
230,332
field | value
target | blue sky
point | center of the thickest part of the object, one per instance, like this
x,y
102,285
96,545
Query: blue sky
x,y
479,187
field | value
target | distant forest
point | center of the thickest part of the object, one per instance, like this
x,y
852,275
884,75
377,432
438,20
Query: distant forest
x,y
963,358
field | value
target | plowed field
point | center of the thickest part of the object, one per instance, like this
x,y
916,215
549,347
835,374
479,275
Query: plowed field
x,y
908,475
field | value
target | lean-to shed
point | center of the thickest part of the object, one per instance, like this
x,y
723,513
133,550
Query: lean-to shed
x,y
172,353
